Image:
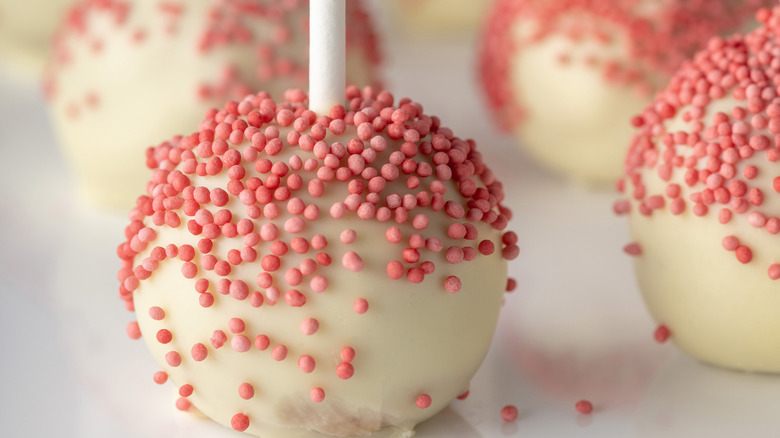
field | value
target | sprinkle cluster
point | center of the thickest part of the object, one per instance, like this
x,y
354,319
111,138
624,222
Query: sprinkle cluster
x,y
711,169
659,36
251,185
271,29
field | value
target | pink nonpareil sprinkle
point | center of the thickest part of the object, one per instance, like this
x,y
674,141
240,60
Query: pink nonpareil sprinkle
x,y
584,407
509,413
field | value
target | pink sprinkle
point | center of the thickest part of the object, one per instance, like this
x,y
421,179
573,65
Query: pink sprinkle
x,y
423,401
206,299
199,352
464,395
294,298
347,354
256,299
185,390
246,391
584,407
294,225
633,249
395,269
133,331
318,284
160,377
345,370
456,231
239,422
164,336
262,342
452,284
293,276
348,236
730,243
279,353
236,325
317,395
454,255
218,338
240,343
306,363
509,413
486,247
173,359
360,306
309,326
661,334
239,290
744,254
183,404
156,313
189,270
352,261
420,222
510,252
415,275
774,271
393,234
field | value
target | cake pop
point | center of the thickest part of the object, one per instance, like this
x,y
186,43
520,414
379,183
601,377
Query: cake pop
x,y
303,273
565,76
701,194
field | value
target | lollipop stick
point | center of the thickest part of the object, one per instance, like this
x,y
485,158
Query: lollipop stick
x,y
327,54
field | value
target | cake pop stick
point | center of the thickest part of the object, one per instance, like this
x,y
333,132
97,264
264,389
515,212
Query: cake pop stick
x,y
327,54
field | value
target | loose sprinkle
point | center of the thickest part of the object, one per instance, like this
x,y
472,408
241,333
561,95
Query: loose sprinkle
x,y
661,334
509,413
584,407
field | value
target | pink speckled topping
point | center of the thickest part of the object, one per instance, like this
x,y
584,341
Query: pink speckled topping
x,y
242,212
712,157
658,42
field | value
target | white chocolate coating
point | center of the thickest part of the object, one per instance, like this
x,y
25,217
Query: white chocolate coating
x,y
440,17
717,309
576,122
126,83
26,28
414,338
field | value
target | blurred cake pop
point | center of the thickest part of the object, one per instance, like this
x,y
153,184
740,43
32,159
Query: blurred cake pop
x,y
565,76
701,186
127,74
445,18
26,29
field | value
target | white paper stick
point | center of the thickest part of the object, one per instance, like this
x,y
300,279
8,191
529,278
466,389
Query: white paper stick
x,y
327,54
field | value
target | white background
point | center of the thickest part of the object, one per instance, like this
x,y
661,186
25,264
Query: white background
x,y
574,329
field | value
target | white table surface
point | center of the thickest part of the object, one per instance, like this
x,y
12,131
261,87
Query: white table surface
x,y
574,329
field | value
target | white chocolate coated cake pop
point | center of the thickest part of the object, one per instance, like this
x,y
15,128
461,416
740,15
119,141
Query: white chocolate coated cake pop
x,y
564,77
26,29
306,275
702,195
127,74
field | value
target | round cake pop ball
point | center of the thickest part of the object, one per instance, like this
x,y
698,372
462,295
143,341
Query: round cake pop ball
x,y
26,28
564,77
126,74
702,182
306,275
444,17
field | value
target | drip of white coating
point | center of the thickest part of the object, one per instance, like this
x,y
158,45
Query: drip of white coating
x,y
327,54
